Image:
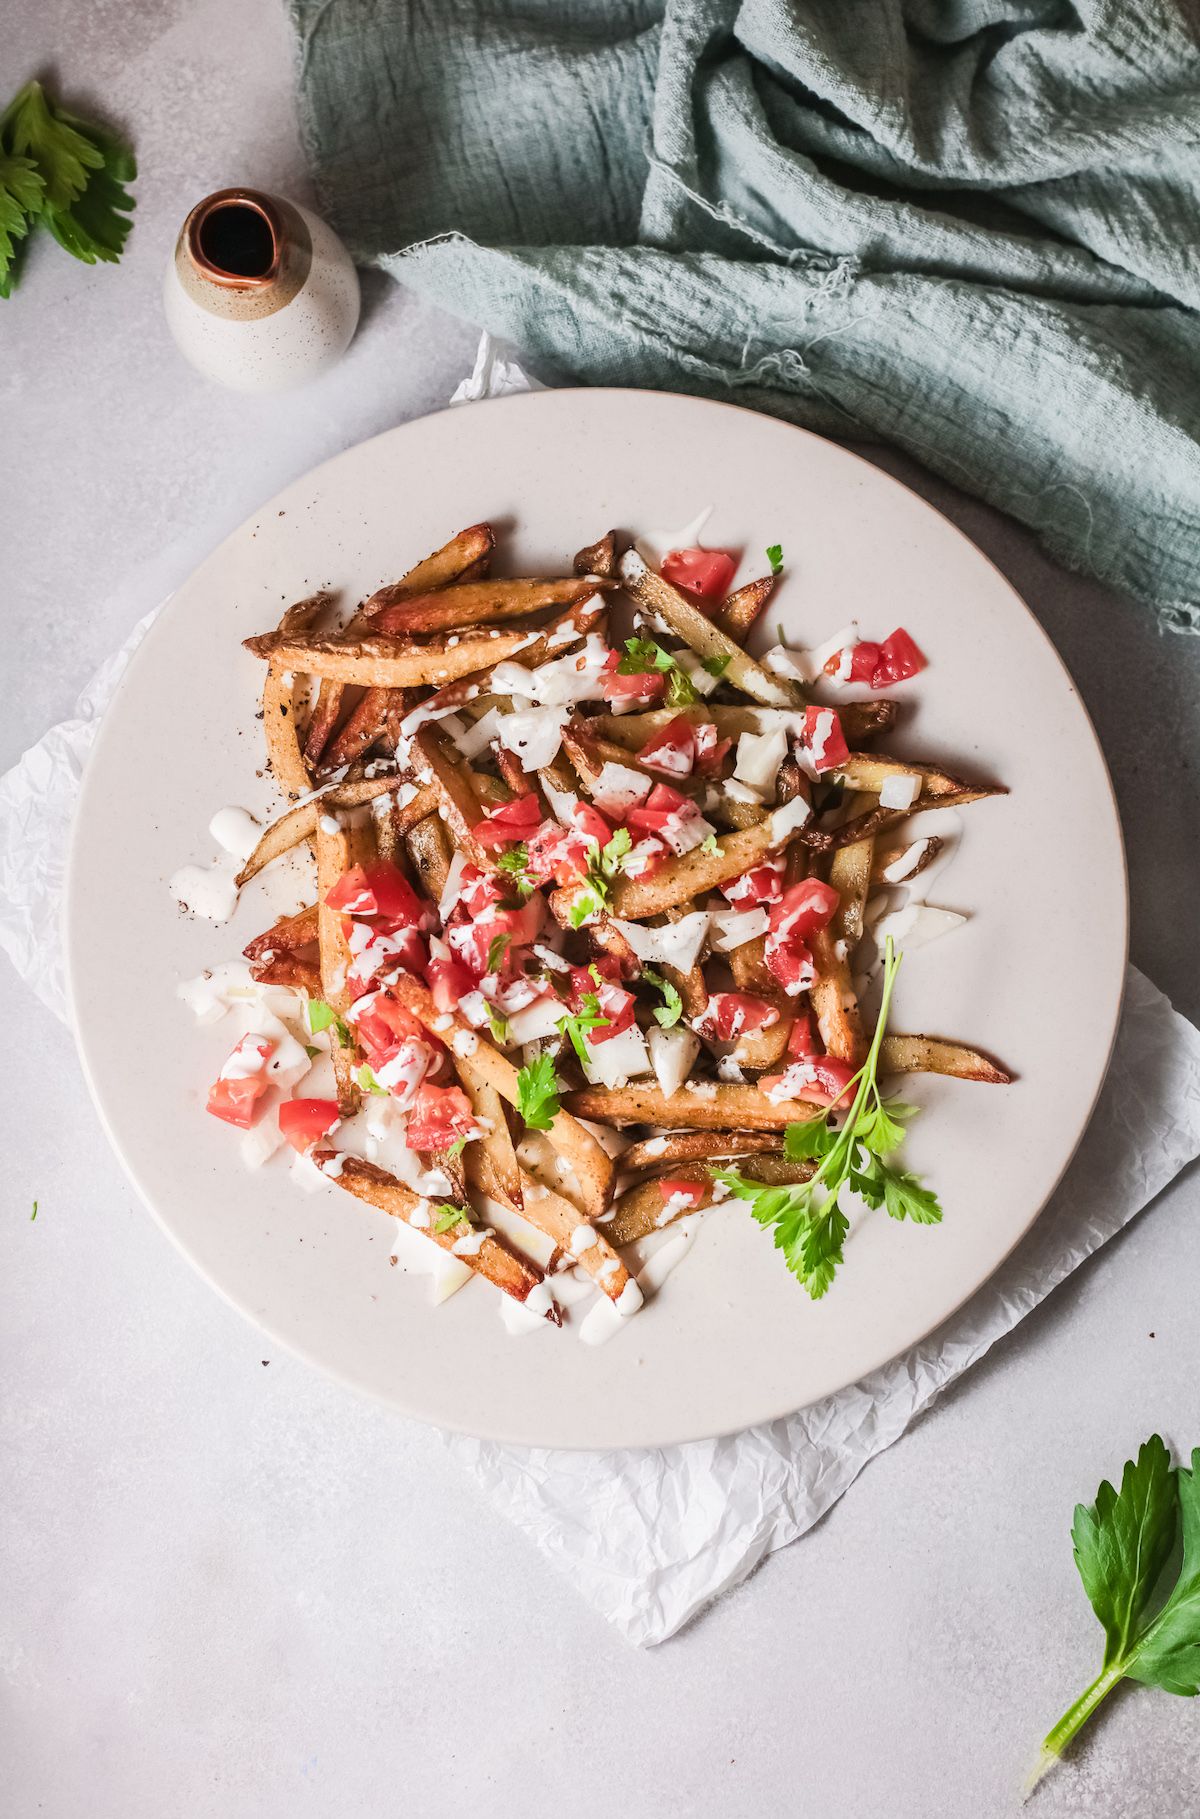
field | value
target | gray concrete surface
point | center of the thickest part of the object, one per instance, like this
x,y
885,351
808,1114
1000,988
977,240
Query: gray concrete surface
x,y
235,1592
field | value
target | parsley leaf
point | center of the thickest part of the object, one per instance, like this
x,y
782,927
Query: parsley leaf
x,y
457,1147
516,862
66,173
603,866
21,192
710,844
775,557
33,1214
322,1016
716,666
579,1025
1122,1544
497,948
681,691
810,1226
643,656
537,1093
497,1024
450,1216
670,1010
367,1081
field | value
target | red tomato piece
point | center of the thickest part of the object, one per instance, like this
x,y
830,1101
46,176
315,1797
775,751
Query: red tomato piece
x,y
440,1115
673,750
661,806
618,1006
591,823
710,751
824,739
478,891
802,1042
733,1014
864,657
791,964
511,822
899,658
762,884
302,1121
670,1190
379,890
380,1022
802,911
643,859
449,982
624,693
703,572
235,1093
820,1081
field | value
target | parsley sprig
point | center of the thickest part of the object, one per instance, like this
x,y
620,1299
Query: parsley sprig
x,y
1122,1544
514,861
578,1026
537,1093
65,174
450,1216
810,1226
604,865
322,1016
498,946
643,656
668,1013
775,557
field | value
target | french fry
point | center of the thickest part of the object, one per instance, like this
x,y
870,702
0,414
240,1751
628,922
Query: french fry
x,y
285,750
460,804
493,1259
931,1055
285,935
494,1156
300,822
709,1105
429,851
470,550
763,1049
298,974
739,611
692,875
592,1167
336,853
599,558
869,771
658,1155
641,1209
591,1248
832,992
388,662
887,856
365,724
587,615
479,603
657,596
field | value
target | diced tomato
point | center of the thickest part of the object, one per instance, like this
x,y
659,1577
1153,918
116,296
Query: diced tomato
x,y
864,656
899,658
583,978
471,937
803,910
710,751
440,1115
802,1042
302,1121
703,572
732,1014
662,805
824,739
511,822
791,964
673,750
623,693
381,1021
557,852
618,1006
406,1068
761,884
670,1190
376,949
235,1093
644,858
379,890
820,1081
591,823
449,982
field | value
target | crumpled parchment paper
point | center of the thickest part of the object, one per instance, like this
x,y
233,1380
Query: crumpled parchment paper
x,y
650,1537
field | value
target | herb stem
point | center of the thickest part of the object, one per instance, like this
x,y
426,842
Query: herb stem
x,y
1073,1721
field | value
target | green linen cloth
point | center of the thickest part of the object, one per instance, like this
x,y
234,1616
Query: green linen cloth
x,y
970,228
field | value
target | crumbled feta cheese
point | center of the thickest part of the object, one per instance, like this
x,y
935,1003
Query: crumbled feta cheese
x,y
787,820
672,1053
899,791
759,756
675,944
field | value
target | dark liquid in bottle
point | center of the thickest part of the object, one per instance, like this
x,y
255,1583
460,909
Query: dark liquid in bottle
x,y
237,240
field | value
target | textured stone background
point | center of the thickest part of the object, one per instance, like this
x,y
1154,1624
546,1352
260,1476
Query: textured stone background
x,y
230,1590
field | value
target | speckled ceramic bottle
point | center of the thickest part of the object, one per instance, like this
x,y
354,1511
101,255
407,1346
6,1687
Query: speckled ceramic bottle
x,y
259,293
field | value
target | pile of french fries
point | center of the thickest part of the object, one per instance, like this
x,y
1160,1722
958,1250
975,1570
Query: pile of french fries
x,y
364,722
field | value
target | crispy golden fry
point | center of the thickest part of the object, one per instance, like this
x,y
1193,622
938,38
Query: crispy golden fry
x,y
686,620
593,1169
931,1055
587,615
692,875
592,1249
336,853
598,558
285,751
887,856
657,1155
298,974
641,1210
383,662
479,603
285,935
741,609
690,985
493,1259
454,782
832,992
764,1048
869,771
860,719
366,723
300,822
710,1105
494,1158
429,851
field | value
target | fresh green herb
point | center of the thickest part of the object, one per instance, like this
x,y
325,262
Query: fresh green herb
x,y
580,1024
670,1010
779,634
716,666
810,1226
643,656
775,557
516,862
65,173
366,1079
322,1016
710,844
1122,1544
33,1214
457,1147
497,1024
603,867
537,1093
310,1051
450,1216
497,948
681,691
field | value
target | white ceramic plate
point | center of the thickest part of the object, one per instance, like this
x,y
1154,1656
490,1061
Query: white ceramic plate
x,y
1034,976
